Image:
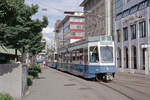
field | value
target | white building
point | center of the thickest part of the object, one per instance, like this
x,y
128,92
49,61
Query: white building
x,y
132,36
69,30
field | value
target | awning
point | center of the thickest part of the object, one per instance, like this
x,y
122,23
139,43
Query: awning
x,y
5,50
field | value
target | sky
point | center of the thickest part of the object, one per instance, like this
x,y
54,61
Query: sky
x,y
54,12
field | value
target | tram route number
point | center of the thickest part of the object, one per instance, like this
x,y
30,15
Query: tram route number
x,y
106,38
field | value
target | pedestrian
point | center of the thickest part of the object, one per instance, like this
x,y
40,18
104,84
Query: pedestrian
x,y
44,63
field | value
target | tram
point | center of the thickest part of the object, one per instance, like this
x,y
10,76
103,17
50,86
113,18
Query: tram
x,y
53,60
89,59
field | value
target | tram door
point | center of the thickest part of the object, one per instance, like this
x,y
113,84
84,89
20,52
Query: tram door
x,y
85,54
85,59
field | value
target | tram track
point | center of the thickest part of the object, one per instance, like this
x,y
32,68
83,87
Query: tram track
x,y
135,83
116,90
103,84
86,86
124,88
131,88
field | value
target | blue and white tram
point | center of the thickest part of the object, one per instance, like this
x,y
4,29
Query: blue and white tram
x,y
53,60
89,59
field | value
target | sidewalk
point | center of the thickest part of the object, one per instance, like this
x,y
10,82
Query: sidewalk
x,y
55,85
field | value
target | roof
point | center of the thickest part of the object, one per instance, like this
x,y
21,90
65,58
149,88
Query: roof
x,y
5,50
83,3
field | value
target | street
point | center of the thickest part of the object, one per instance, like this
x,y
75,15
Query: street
x,y
56,85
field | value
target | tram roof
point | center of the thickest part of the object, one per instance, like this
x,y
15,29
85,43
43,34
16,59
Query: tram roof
x,y
76,45
79,44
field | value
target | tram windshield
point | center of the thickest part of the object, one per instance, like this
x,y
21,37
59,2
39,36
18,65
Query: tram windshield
x,y
106,54
94,56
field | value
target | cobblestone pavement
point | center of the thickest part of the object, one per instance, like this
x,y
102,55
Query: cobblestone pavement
x,y
56,85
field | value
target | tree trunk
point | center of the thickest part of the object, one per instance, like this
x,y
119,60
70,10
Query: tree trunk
x,y
34,60
23,55
16,54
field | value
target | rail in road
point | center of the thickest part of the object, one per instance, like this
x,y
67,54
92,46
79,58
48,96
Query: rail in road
x,y
130,89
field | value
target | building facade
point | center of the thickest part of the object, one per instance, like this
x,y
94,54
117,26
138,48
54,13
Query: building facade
x,y
132,35
98,17
70,29
57,31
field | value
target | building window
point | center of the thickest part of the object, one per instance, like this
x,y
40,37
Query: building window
x,y
118,17
118,35
125,13
148,3
119,6
76,26
128,1
142,28
133,31
133,9
125,33
143,5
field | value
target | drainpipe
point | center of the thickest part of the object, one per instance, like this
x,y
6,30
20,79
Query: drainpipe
x,y
108,17
148,36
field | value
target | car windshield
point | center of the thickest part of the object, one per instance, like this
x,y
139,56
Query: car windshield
x,y
106,54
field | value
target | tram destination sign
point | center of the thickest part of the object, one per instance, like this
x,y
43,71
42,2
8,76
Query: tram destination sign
x,y
106,38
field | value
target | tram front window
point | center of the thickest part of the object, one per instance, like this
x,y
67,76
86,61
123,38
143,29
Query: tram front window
x,y
106,54
94,56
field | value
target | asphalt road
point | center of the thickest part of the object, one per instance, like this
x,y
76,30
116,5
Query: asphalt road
x,y
56,85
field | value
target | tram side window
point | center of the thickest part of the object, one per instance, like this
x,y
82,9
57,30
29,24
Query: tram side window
x,y
85,55
56,56
93,54
64,58
71,57
74,56
59,58
81,55
78,55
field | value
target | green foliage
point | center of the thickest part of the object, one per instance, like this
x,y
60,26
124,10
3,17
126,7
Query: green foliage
x,y
5,97
17,28
29,80
30,68
36,46
33,73
37,68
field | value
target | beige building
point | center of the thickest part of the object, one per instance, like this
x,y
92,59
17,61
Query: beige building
x,y
56,31
98,17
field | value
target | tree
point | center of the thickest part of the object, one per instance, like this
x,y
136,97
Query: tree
x,y
36,45
17,29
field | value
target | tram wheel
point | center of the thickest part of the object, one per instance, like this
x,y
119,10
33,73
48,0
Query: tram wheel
x,y
99,77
